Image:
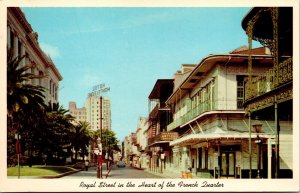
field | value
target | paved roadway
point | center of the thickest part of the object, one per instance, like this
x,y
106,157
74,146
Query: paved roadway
x,y
115,173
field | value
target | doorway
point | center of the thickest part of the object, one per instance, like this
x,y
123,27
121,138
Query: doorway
x,y
227,164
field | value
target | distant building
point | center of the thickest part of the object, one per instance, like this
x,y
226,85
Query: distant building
x,y
24,41
141,133
78,113
141,137
95,105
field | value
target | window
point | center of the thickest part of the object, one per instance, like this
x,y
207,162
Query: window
x,y
12,36
19,48
53,89
50,87
200,157
240,91
56,88
206,158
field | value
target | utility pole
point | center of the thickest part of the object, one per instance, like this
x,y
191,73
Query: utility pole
x,y
101,132
98,91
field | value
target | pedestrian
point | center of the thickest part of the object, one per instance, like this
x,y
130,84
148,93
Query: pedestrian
x,y
86,165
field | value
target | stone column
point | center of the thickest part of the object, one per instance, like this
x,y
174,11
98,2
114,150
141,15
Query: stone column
x,y
56,92
15,51
8,37
23,62
35,72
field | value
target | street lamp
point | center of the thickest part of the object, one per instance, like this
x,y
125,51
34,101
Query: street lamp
x,y
18,150
99,165
258,128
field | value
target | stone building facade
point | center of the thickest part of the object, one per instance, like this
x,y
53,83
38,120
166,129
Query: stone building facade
x,y
24,41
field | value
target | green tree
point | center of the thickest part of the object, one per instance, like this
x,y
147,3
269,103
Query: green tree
x,y
20,93
109,141
81,136
23,100
57,131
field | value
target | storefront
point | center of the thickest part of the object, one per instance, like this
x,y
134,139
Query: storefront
x,y
222,155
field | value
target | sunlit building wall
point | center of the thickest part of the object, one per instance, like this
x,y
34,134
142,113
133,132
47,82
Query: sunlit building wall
x,y
93,112
23,41
78,113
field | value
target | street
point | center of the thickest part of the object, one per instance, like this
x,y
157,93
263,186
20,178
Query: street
x,y
115,173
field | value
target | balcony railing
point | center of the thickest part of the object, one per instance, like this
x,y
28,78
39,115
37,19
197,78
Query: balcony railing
x,y
157,107
192,113
265,83
163,136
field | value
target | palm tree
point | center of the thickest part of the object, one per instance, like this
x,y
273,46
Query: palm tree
x,y
23,99
81,137
21,94
58,128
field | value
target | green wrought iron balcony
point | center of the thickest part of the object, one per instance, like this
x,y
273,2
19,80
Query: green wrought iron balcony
x,y
191,114
262,84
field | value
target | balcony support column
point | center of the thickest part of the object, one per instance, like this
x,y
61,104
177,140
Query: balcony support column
x,y
277,128
275,44
250,147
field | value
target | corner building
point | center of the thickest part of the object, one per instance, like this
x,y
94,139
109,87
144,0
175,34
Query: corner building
x,y
24,41
209,117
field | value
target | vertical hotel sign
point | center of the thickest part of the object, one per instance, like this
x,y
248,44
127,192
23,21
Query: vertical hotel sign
x,y
99,89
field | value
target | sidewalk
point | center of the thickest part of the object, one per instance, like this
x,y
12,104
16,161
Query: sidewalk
x,y
170,174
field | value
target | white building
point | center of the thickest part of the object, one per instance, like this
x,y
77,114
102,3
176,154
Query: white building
x,y
98,112
24,41
210,119
141,133
141,138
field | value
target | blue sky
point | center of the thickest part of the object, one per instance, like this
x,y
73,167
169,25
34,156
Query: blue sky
x,y
128,49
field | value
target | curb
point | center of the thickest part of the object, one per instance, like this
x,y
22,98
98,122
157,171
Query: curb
x,y
61,175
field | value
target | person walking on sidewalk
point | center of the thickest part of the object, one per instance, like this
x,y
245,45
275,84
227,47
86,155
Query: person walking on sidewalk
x,y
86,164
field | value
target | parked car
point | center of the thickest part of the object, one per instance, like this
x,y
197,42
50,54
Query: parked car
x,y
120,164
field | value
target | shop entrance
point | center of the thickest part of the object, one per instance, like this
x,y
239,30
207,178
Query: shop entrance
x,y
227,164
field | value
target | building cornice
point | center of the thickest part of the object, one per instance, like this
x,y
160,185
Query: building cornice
x,y
214,57
31,37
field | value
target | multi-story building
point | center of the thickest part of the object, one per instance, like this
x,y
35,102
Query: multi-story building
x,y
98,112
269,96
126,149
78,113
159,117
24,42
141,134
130,149
141,138
209,117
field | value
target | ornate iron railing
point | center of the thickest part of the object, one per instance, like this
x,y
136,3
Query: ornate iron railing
x,y
262,84
192,113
